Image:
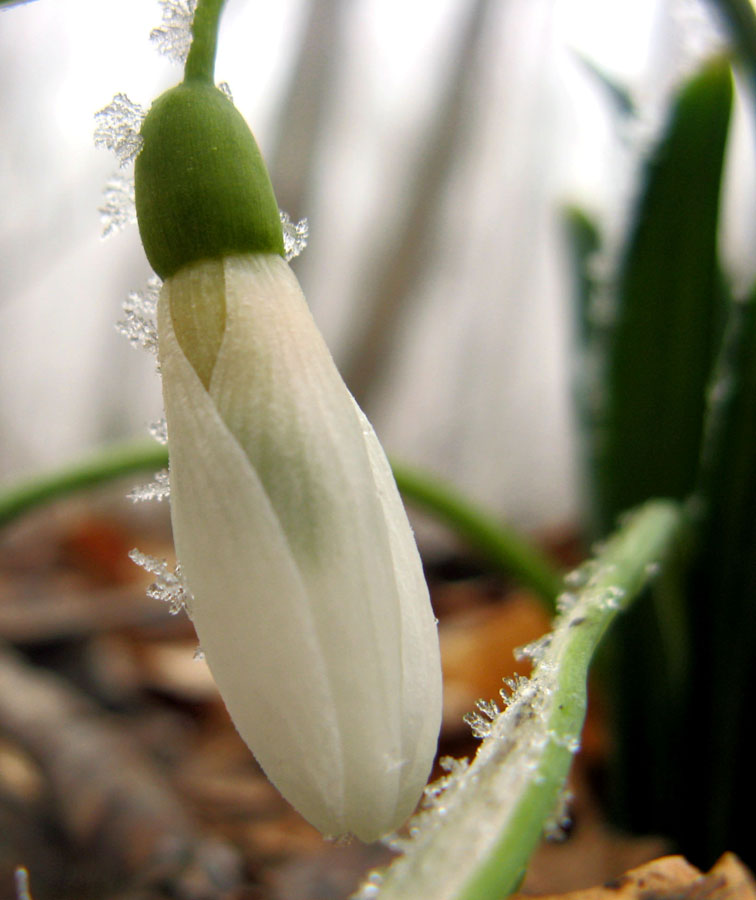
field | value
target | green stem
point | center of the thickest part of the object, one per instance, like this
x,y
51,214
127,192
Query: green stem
x,y
105,465
475,841
200,63
499,545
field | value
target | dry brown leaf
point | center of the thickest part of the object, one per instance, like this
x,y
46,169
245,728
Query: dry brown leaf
x,y
672,878
476,651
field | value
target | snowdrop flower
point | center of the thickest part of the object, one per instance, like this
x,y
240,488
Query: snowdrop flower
x,y
308,594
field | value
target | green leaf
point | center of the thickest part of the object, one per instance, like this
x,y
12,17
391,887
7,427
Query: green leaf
x,y
475,840
583,243
723,597
498,544
669,309
619,96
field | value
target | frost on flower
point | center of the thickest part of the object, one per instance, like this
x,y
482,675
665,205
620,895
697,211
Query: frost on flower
x,y
168,585
294,235
118,209
138,324
157,489
173,37
159,431
117,128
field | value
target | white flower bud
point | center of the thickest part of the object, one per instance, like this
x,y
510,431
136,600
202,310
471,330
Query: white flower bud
x,y
308,593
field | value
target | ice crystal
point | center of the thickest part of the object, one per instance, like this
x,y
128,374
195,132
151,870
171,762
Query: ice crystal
x,y
22,884
117,128
566,601
159,431
157,489
534,650
294,235
119,206
480,727
370,886
225,89
173,37
556,826
512,686
168,585
138,324
613,597
489,708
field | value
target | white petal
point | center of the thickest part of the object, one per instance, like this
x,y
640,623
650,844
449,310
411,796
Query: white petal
x,y
310,603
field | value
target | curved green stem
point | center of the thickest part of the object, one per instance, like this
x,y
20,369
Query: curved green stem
x,y
99,468
475,840
502,547
200,63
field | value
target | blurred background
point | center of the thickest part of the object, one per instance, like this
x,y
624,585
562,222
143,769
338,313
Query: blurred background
x,y
431,145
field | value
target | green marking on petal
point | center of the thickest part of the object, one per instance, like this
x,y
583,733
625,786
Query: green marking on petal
x,y
198,311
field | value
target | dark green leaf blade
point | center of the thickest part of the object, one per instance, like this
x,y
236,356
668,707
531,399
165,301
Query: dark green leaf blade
x,y
670,309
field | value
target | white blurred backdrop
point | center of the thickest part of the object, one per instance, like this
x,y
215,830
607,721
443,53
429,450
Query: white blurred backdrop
x,y
431,144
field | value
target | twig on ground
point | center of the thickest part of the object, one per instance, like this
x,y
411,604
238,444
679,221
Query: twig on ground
x,y
109,798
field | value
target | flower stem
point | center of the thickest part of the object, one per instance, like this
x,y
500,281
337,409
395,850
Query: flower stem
x,y
106,465
200,63
499,545
475,840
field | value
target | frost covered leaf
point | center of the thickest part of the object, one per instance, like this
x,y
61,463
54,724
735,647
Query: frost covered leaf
x,y
482,821
294,235
157,489
117,128
168,585
118,209
173,37
138,324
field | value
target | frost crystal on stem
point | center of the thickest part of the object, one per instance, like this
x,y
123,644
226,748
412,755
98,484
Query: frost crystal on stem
x,y
481,821
168,585
173,37
117,128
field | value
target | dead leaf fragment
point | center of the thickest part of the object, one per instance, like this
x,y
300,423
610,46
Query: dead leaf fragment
x,y
673,878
